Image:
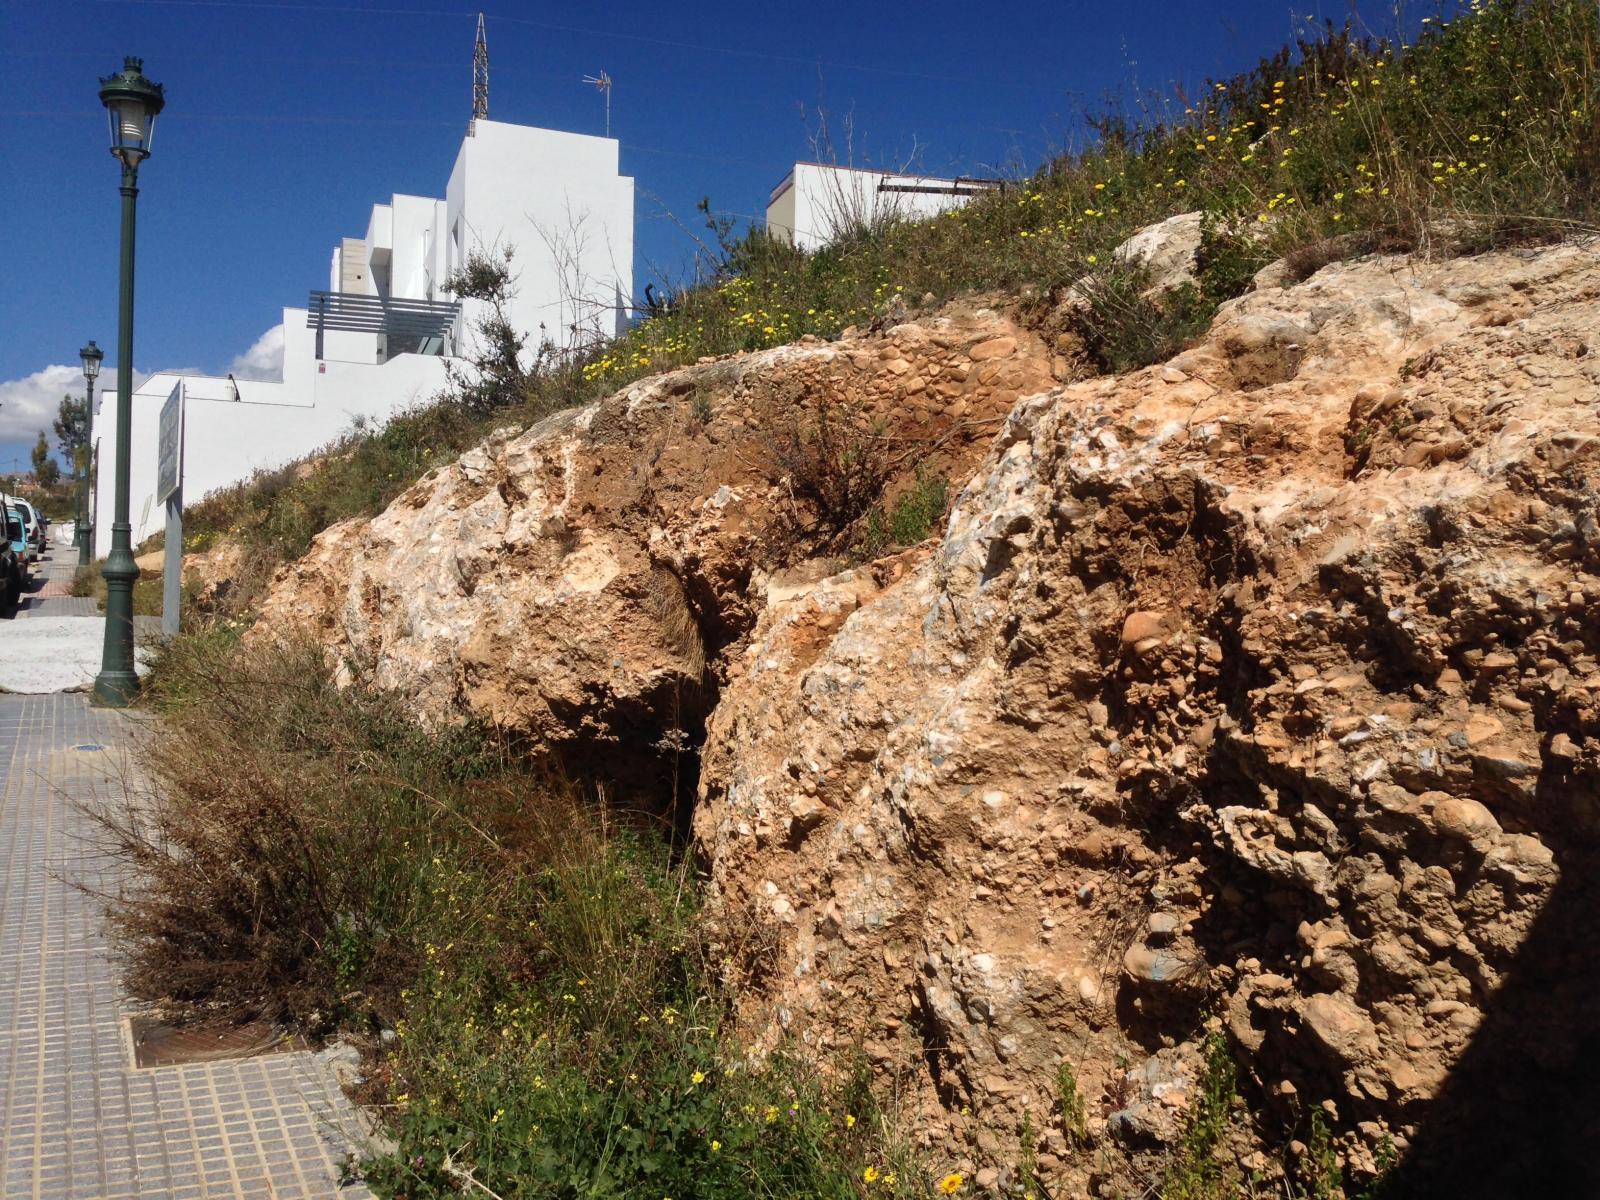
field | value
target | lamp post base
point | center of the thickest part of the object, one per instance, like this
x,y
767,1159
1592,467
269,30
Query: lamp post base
x,y
117,685
81,539
116,689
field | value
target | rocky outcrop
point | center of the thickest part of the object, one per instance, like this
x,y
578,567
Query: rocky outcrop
x,y
1260,683
1257,688
577,582
1167,252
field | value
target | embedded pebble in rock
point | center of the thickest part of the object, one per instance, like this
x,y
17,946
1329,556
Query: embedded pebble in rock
x,y
1464,818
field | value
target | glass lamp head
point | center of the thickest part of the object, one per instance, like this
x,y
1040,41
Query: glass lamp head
x,y
132,103
91,356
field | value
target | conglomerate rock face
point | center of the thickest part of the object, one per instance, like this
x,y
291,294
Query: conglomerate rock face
x,y
1261,683
576,583
1257,688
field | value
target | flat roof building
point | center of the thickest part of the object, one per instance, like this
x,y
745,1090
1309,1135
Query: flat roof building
x,y
817,204
377,340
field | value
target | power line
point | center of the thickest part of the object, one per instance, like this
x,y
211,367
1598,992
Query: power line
x,y
675,43
86,114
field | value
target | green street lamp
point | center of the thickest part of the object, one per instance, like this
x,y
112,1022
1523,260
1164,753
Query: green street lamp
x,y
132,102
91,356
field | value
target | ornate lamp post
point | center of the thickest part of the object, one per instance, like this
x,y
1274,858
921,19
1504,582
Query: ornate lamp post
x,y
132,102
91,356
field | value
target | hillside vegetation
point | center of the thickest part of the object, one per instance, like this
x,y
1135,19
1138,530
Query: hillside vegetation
x,y
1483,131
546,1009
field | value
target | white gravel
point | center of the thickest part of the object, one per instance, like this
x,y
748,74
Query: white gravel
x,y
52,654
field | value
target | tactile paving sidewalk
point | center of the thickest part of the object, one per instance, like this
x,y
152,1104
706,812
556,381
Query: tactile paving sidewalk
x,y
76,1119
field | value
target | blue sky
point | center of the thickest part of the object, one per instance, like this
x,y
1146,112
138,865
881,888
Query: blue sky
x,y
287,119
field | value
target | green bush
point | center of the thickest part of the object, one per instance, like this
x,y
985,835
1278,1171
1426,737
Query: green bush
x,y
915,516
918,511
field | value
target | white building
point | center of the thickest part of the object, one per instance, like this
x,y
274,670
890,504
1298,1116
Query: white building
x,y
378,340
817,204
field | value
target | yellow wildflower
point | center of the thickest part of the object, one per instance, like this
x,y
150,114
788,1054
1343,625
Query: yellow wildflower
x,y
870,1175
951,1184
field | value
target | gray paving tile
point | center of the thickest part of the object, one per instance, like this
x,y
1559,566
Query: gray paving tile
x,y
75,1119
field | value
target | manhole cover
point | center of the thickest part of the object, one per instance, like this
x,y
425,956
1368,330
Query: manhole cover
x,y
89,746
159,1044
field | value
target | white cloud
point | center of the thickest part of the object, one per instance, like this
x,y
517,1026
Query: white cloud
x,y
31,403
264,360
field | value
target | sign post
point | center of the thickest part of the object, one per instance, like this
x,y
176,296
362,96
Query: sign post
x,y
169,490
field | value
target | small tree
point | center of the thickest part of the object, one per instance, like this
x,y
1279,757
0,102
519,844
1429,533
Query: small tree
x,y
499,379
72,429
46,471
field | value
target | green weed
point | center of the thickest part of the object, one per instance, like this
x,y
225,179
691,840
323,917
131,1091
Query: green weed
x,y
1195,1172
1074,1111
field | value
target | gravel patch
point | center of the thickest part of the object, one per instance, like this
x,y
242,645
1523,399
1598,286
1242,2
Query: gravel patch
x,y
53,654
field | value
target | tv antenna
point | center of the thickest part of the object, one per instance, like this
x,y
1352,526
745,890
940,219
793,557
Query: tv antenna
x,y
603,82
480,74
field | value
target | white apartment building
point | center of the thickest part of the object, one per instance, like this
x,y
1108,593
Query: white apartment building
x,y
378,339
817,204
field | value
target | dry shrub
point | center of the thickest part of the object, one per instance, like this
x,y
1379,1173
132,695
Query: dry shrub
x,y
1305,260
669,604
299,847
837,462
1124,328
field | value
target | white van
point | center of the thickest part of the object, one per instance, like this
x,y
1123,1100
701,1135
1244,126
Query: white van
x,y
33,527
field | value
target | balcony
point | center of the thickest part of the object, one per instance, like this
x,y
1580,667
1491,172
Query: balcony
x,y
401,326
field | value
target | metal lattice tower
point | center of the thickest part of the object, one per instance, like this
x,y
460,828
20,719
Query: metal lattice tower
x,y
480,74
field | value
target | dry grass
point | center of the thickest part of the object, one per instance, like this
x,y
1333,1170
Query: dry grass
x,y
294,835
308,854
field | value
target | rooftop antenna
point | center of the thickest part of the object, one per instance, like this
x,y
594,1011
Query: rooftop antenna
x,y
603,82
480,75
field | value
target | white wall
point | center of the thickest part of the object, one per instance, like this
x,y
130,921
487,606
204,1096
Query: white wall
x,y
558,201
823,202
417,265
269,425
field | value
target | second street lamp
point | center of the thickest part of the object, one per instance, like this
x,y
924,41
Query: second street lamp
x,y
132,102
91,356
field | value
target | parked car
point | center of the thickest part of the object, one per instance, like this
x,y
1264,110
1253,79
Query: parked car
x,y
32,531
34,527
13,558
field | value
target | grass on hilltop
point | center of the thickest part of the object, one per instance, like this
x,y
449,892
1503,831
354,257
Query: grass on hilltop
x,y
1485,130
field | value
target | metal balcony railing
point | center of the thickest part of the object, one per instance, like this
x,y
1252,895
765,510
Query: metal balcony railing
x,y
416,322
